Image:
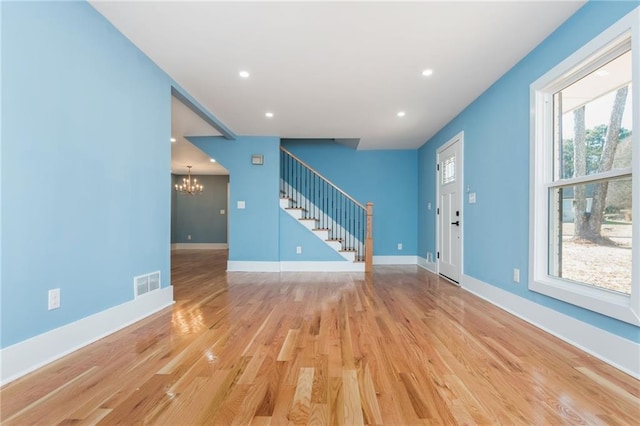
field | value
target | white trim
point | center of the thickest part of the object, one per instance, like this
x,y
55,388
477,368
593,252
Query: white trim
x,y
320,266
429,266
611,174
395,260
312,266
35,352
614,350
622,307
251,266
199,246
458,138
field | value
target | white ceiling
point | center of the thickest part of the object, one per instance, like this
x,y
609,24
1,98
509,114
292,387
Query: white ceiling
x,y
185,122
337,69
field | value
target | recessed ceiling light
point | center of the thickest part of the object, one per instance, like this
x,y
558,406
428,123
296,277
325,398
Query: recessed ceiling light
x,y
427,72
268,114
212,160
602,73
172,140
401,114
244,74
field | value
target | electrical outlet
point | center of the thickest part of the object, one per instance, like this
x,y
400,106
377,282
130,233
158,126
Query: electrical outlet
x,y
298,250
516,275
429,256
54,298
399,246
428,206
188,237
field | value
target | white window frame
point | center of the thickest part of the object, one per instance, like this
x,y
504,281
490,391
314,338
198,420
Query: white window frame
x,y
616,305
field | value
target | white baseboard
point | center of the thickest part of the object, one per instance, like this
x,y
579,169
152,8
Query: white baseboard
x,y
429,266
614,350
335,266
31,354
332,266
251,266
199,246
395,260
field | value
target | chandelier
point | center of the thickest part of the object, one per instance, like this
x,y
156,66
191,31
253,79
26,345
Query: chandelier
x,y
189,187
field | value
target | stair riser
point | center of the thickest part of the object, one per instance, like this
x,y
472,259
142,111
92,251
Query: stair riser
x,y
285,203
336,245
309,224
323,235
348,255
296,214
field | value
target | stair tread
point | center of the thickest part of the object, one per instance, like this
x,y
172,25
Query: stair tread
x,y
321,229
308,218
295,208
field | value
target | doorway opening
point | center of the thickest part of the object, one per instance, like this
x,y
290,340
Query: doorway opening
x,y
200,221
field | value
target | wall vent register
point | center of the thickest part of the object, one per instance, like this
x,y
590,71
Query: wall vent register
x,y
146,283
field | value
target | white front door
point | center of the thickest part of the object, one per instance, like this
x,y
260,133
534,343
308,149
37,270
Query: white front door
x,y
449,212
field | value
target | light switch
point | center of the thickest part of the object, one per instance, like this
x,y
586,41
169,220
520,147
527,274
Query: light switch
x,y
428,206
241,204
472,198
222,211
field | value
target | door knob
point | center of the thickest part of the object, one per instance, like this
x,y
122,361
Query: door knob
x,y
456,223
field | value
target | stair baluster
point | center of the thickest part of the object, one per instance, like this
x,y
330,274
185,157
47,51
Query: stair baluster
x,y
346,219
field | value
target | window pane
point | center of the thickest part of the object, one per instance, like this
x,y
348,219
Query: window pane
x,y
583,114
449,170
587,247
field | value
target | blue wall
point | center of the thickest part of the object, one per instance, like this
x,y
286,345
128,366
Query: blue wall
x,y
386,178
85,166
496,167
199,215
254,230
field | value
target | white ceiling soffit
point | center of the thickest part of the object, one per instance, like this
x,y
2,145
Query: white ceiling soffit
x,y
185,122
337,69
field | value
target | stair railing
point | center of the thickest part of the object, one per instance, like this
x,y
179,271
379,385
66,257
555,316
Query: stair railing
x,y
347,220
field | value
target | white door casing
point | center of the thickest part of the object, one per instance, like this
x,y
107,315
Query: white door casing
x,y
449,209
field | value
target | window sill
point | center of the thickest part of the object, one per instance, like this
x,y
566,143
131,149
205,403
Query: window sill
x,y
614,305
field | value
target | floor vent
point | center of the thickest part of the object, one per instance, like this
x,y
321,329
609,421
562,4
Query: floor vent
x,y
145,283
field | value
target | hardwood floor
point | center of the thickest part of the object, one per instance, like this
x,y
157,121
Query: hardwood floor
x,y
398,347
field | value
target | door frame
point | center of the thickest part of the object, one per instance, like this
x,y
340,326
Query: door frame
x,y
458,138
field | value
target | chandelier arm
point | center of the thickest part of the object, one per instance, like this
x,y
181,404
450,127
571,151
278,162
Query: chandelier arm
x,y
188,186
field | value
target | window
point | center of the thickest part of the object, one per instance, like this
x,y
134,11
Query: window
x,y
449,170
584,158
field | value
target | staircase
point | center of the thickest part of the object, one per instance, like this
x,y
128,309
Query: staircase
x,y
328,212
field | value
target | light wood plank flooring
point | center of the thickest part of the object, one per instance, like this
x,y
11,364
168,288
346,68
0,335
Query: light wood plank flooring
x,y
398,347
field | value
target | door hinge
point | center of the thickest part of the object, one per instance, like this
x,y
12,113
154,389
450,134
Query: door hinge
x,y
438,255
438,167
438,210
